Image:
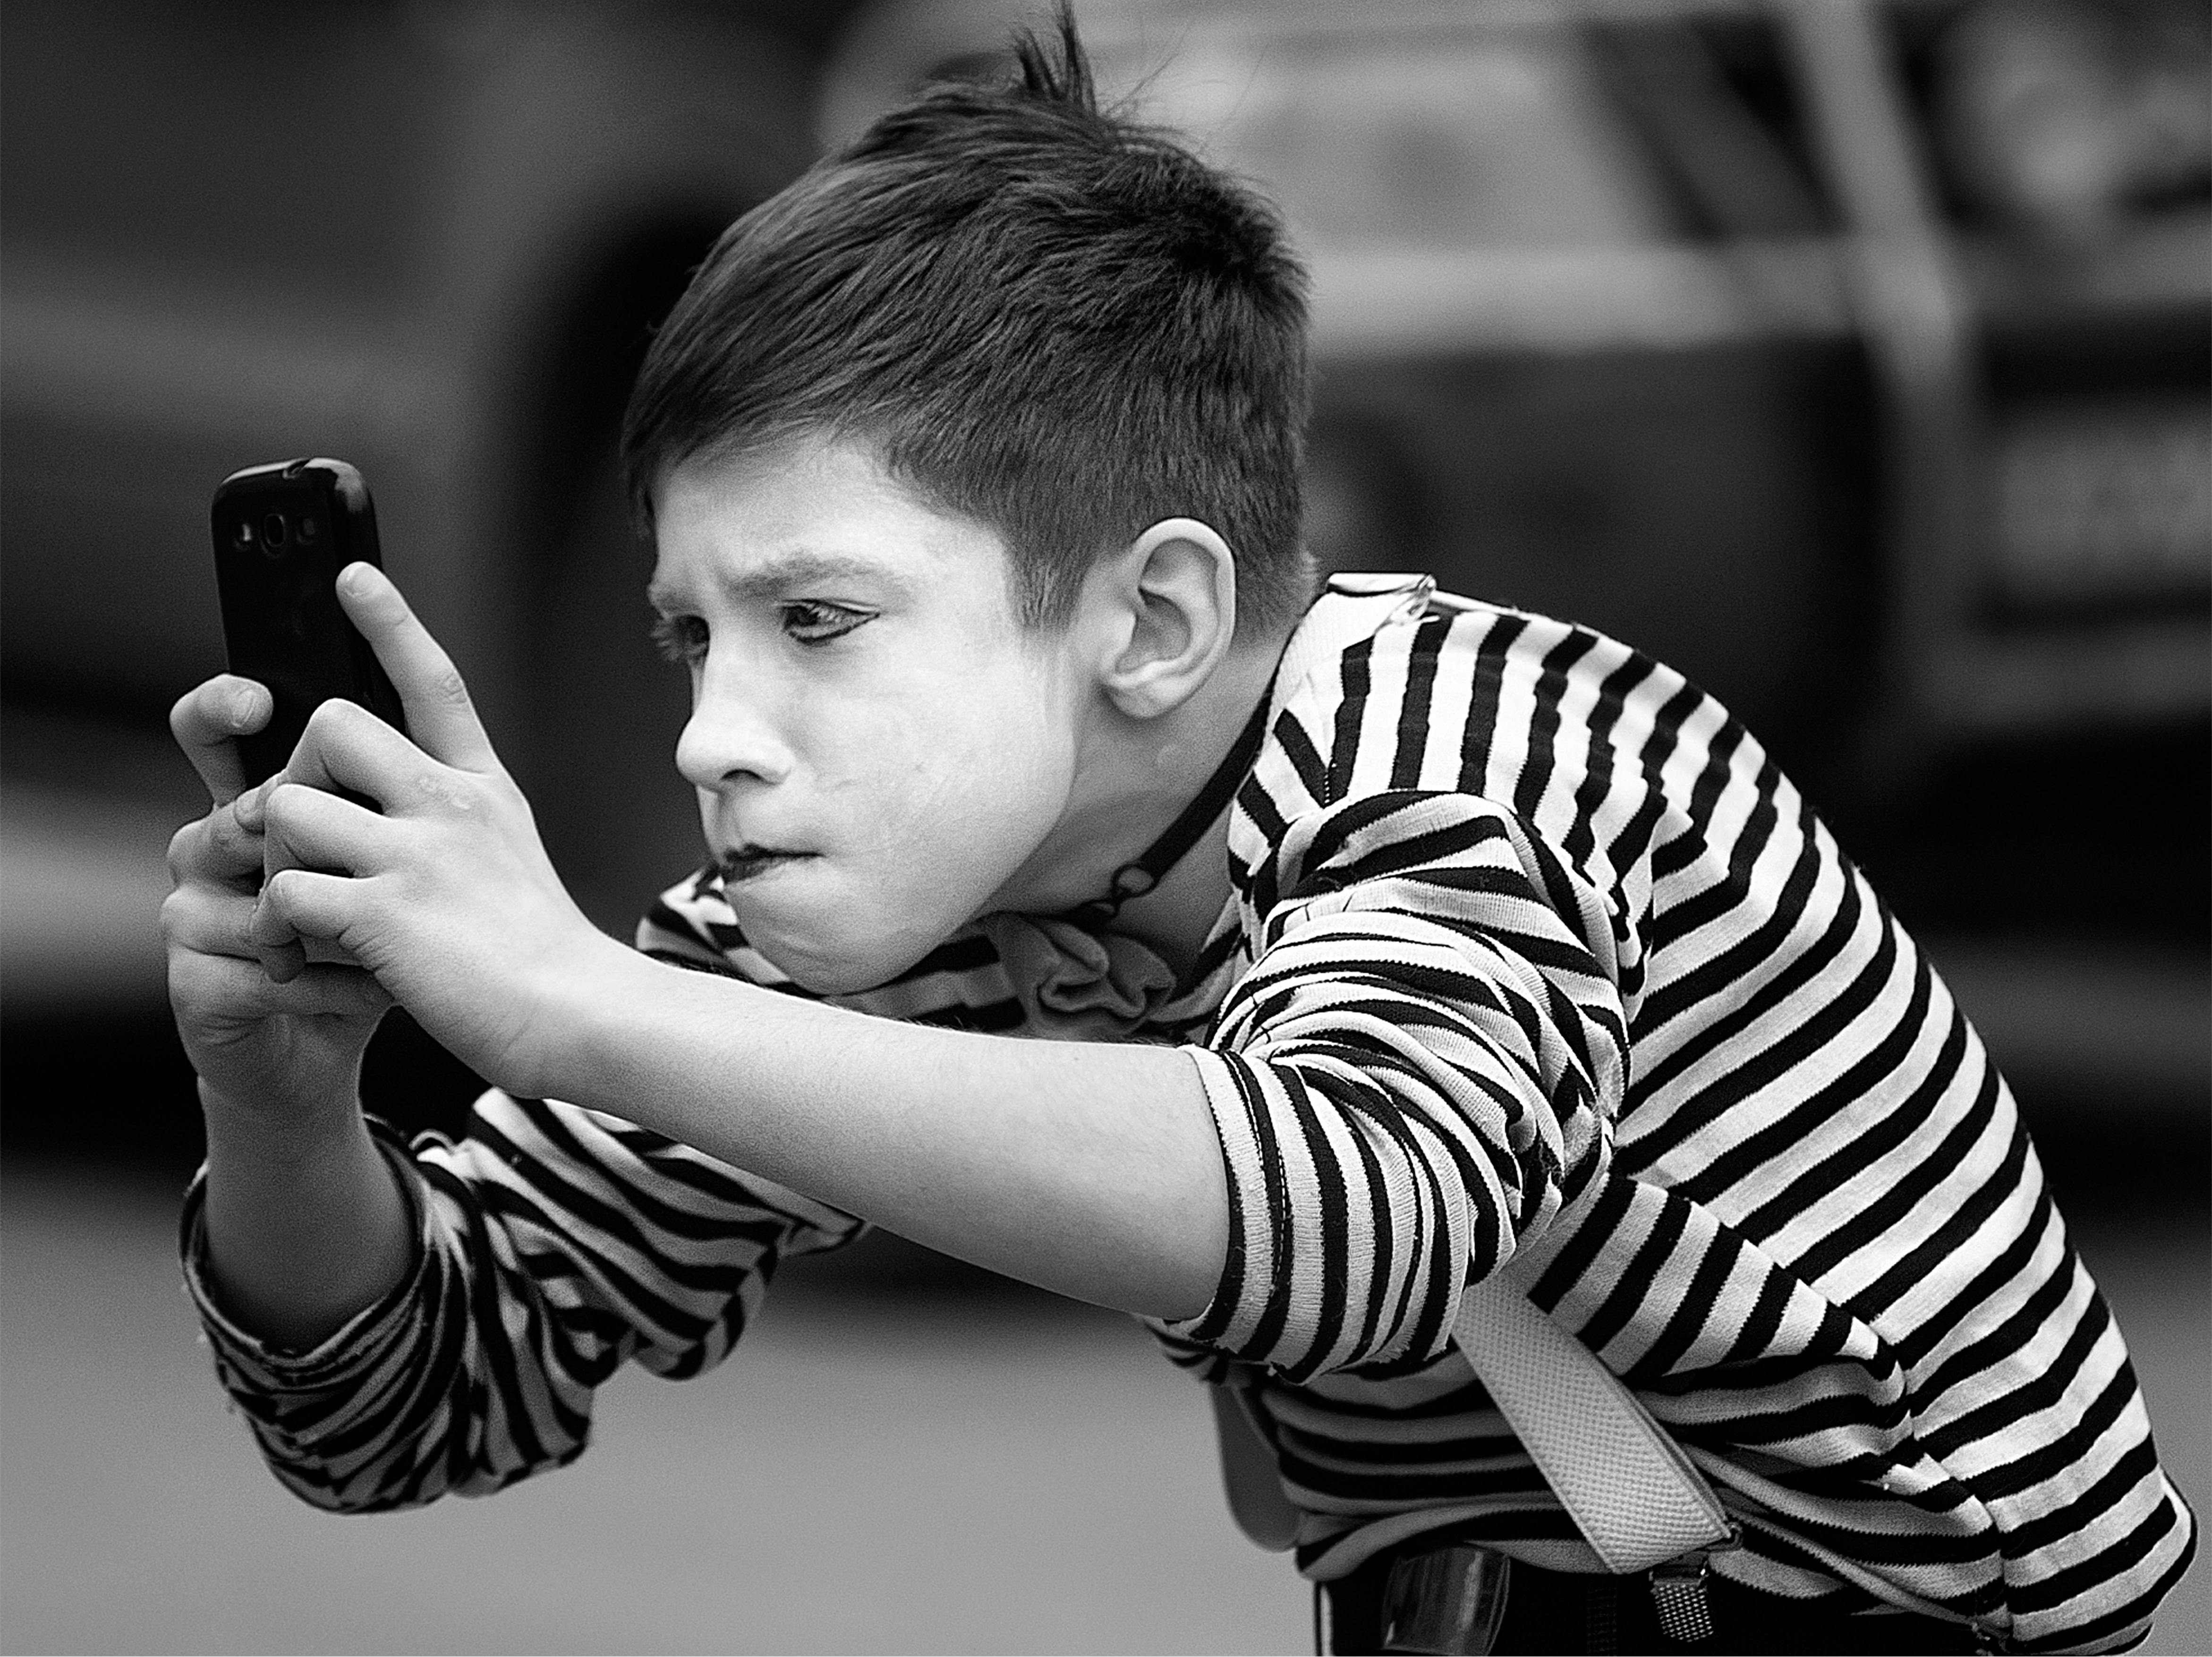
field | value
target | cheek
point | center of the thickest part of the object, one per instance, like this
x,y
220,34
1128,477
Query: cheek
x,y
962,766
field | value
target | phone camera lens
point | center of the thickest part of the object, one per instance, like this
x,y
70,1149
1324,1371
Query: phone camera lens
x,y
272,531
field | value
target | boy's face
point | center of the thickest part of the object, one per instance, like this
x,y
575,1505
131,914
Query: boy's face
x,y
879,748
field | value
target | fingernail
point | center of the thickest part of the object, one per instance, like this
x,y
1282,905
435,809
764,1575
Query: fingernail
x,y
243,704
355,579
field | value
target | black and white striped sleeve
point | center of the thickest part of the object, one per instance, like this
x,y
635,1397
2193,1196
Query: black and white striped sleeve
x,y
1421,1066
555,1245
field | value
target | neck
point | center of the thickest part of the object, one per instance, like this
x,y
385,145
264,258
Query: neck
x,y
1176,917
1135,780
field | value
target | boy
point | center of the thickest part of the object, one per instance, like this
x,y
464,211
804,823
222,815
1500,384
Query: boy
x,y
1381,940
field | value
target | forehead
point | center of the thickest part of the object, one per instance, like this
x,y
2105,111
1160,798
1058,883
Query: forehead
x,y
814,510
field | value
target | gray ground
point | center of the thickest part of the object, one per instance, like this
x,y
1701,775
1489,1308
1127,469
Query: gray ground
x,y
854,1479
979,1477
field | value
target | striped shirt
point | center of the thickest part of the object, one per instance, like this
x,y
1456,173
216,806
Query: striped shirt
x,y
1519,918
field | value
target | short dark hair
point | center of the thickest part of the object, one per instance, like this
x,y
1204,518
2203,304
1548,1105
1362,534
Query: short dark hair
x,y
1042,315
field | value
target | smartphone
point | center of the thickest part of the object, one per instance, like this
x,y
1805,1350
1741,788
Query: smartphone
x,y
282,532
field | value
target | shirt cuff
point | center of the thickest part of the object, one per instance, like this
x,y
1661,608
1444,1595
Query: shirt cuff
x,y
250,1364
1229,1323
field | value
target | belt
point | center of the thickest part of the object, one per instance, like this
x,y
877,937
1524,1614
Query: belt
x,y
1442,1595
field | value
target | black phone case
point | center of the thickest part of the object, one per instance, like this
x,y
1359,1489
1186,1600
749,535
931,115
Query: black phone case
x,y
282,532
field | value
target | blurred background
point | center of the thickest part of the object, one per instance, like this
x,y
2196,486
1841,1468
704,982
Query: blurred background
x,y
1851,355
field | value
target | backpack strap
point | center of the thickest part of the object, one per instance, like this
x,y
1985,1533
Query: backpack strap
x,y
1248,1469
1631,1492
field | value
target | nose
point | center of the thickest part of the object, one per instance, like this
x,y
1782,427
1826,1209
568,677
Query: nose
x,y
728,737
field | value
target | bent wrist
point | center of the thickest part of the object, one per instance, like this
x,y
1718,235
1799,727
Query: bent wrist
x,y
583,1003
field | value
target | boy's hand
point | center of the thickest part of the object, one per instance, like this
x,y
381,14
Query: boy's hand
x,y
288,1050
445,894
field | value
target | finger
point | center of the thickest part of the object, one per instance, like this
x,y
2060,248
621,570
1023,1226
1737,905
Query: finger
x,y
247,807
344,746
207,720
207,921
321,952
217,847
283,961
440,716
305,826
224,988
297,904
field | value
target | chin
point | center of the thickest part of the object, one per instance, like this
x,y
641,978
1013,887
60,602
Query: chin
x,y
835,935
828,966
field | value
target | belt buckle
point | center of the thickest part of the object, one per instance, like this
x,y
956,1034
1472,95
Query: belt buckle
x,y
1450,1600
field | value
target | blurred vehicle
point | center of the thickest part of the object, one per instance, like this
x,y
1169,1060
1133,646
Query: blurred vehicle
x,y
1850,355
429,238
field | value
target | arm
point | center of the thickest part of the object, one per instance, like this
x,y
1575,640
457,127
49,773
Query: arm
x,y
554,1246
1417,1072
312,1225
1090,1170
311,1222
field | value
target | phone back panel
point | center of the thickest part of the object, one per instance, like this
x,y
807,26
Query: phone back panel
x,y
282,534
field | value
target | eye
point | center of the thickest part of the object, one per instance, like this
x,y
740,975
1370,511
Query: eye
x,y
810,621
680,638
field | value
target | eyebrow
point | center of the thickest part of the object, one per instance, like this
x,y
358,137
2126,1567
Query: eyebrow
x,y
802,568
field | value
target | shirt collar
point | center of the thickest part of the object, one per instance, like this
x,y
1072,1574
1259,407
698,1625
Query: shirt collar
x,y
1354,605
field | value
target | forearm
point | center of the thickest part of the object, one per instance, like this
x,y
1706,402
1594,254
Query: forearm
x,y
1090,1170
306,1224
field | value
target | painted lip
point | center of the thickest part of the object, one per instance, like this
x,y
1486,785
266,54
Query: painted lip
x,y
747,863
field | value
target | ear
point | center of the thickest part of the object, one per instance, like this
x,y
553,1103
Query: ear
x,y
1170,610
